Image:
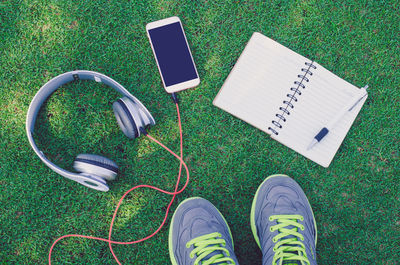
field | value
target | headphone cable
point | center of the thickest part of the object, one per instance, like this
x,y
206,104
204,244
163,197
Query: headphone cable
x,y
176,192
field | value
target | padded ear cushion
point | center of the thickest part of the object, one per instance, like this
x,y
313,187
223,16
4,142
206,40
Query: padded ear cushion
x,y
127,118
96,165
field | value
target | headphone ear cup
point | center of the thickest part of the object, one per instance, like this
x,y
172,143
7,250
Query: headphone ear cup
x,y
96,165
128,117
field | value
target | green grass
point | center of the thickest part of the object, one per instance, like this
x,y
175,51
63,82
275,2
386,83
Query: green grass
x,y
356,200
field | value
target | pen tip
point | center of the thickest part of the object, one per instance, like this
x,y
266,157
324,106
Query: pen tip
x,y
312,144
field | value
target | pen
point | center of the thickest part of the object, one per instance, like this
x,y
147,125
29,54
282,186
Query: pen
x,y
349,107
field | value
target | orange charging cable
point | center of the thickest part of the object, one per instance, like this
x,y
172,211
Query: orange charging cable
x,y
174,193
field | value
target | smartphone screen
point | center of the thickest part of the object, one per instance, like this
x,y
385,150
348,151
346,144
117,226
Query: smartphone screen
x,y
173,55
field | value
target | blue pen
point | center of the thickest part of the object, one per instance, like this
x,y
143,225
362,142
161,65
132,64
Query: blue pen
x,y
349,107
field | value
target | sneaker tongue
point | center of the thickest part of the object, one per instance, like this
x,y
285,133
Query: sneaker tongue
x,y
285,207
291,262
216,252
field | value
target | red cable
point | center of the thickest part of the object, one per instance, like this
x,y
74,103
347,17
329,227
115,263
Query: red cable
x,y
176,192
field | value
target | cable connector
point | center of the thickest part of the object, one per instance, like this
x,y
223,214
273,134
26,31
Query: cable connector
x,y
174,97
143,131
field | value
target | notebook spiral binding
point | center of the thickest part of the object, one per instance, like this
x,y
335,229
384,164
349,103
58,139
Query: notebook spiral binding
x,y
292,97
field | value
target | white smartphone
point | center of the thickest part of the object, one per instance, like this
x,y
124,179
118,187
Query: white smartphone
x,y
172,53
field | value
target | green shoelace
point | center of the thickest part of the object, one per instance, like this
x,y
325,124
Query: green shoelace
x,y
289,248
205,245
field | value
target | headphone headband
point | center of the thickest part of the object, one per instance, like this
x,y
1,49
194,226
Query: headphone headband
x,y
46,90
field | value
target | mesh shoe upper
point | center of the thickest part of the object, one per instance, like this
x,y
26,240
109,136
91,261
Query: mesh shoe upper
x,y
199,234
283,222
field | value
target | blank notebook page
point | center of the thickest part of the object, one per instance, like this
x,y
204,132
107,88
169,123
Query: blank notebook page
x,y
259,81
323,96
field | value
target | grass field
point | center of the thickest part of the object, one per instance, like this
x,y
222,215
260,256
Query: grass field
x,y
356,200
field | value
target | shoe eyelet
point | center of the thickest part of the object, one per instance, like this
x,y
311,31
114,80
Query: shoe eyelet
x,y
274,249
191,256
187,246
302,228
274,240
270,218
302,238
271,229
301,218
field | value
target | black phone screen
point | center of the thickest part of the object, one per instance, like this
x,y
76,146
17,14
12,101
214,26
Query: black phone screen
x,y
173,54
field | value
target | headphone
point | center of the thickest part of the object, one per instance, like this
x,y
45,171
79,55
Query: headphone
x,y
94,170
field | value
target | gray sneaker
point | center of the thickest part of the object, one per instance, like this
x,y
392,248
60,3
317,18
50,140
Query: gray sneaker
x,y
199,234
283,223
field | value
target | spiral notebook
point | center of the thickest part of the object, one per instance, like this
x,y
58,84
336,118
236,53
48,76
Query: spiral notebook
x,y
289,97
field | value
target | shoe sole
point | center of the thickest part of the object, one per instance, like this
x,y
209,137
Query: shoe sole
x,y
171,250
253,207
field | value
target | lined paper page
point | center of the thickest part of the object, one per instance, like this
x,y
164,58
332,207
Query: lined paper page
x,y
324,96
259,82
